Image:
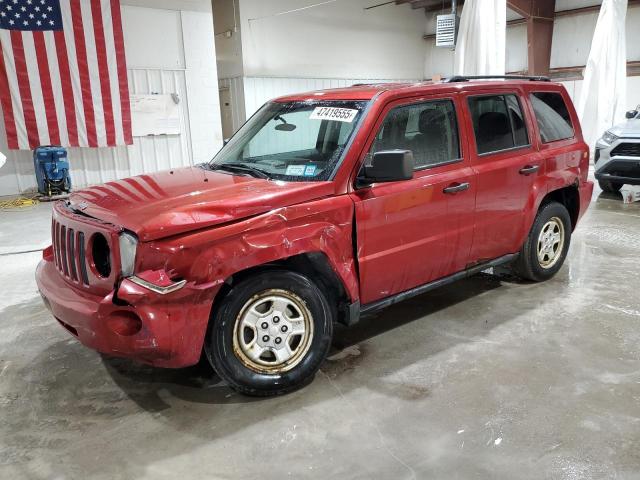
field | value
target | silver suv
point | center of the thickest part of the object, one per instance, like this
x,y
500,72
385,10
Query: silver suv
x,y
617,155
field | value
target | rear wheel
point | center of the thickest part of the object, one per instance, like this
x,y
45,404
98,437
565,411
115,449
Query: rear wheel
x,y
546,247
270,333
610,187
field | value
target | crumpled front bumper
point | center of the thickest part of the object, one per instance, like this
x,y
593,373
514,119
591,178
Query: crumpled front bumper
x,y
132,321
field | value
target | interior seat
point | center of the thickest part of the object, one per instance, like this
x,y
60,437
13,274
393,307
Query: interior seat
x,y
494,132
431,144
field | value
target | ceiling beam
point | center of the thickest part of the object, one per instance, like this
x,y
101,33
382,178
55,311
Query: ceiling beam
x,y
543,9
521,7
421,4
440,6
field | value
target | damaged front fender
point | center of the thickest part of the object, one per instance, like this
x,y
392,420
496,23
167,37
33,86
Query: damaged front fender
x,y
209,257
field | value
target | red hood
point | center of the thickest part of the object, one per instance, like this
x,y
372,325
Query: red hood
x,y
169,203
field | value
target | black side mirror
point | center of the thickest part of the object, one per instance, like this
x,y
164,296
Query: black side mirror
x,y
632,114
388,166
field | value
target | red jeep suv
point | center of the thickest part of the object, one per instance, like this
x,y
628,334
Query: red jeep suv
x,y
323,207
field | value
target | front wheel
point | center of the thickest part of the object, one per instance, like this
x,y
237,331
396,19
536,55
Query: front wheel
x,y
270,333
546,247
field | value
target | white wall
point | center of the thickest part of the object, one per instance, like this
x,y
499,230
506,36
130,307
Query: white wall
x,y
168,51
228,38
333,40
259,90
238,108
202,85
279,47
633,91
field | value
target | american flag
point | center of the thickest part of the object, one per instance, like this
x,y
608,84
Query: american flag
x,y
63,74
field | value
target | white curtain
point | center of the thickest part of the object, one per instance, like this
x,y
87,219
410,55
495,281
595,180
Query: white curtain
x,y
481,41
603,96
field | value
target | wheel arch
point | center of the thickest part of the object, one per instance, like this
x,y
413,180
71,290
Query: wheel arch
x,y
568,196
314,265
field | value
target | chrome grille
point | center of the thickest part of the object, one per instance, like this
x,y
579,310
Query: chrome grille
x,y
69,252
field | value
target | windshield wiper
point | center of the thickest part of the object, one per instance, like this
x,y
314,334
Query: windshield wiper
x,y
241,168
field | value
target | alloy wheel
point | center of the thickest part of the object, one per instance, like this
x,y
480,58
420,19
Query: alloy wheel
x,y
273,331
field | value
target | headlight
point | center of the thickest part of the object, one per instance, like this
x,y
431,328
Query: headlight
x,y
609,137
128,246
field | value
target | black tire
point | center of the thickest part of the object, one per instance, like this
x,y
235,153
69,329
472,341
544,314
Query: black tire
x,y
219,344
528,266
610,187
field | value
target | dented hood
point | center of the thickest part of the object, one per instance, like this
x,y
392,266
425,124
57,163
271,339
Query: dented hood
x,y
173,202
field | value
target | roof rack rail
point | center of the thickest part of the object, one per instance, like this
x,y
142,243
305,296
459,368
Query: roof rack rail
x,y
466,78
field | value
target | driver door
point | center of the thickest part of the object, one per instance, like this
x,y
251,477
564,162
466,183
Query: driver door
x,y
416,231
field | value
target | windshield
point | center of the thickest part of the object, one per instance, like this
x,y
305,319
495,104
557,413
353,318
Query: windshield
x,y
296,141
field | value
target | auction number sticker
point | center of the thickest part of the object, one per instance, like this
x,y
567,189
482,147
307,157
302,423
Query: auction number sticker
x,y
337,114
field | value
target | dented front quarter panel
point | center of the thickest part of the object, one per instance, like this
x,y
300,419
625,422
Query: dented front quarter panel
x,y
239,224
207,258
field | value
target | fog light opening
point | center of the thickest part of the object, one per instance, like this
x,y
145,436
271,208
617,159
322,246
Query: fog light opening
x,y
101,255
68,328
124,323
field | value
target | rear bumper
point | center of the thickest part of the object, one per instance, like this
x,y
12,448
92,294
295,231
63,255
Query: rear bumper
x,y
160,330
586,193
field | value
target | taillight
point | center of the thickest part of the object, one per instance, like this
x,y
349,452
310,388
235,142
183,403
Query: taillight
x,y
584,165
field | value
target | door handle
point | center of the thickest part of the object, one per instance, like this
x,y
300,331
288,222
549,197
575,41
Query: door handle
x,y
456,188
529,169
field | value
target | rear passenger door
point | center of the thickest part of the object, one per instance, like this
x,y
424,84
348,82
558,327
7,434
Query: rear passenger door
x,y
507,165
415,231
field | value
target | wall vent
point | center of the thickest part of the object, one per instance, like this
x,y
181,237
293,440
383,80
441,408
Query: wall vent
x,y
447,30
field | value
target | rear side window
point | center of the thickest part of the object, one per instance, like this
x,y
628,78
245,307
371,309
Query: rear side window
x,y
552,115
498,123
429,130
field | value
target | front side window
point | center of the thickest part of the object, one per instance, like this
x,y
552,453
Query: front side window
x,y
498,123
552,115
429,130
295,141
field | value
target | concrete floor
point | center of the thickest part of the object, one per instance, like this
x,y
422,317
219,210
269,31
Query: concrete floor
x,y
487,378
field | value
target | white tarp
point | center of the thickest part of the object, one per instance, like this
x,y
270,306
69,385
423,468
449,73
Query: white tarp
x,y
481,41
602,101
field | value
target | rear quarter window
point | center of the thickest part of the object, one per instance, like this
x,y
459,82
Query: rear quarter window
x,y
552,115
